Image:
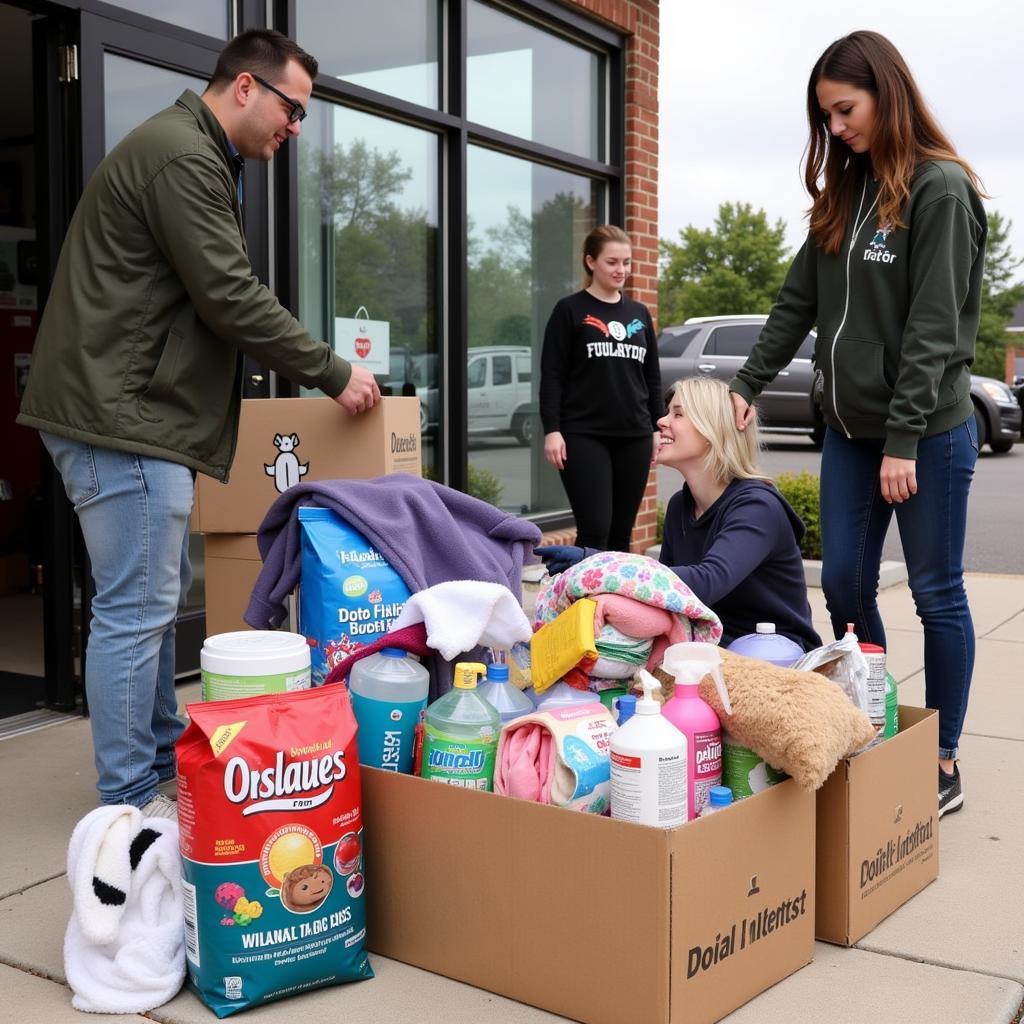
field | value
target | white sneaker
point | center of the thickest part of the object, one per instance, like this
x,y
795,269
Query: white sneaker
x,y
160,807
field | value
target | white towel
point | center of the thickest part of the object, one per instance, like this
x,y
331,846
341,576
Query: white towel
x,y
124,949
462,614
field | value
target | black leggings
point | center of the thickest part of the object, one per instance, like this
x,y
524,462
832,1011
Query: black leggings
x,y
605,479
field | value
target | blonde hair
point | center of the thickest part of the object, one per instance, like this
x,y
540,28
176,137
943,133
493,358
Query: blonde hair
x,y
596,241
733,453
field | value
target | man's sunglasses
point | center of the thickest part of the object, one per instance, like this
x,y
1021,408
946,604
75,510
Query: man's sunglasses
x,y
297,111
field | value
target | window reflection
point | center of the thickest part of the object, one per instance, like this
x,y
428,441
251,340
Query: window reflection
x,y
513,72
134,91
526,229
368,198
388,45
199,15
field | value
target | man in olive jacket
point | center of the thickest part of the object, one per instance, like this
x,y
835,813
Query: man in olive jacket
x,y
136,377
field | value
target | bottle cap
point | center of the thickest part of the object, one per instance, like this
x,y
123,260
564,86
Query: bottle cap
x,y
466,673
626,705
392,652
765,627
720,796
497,673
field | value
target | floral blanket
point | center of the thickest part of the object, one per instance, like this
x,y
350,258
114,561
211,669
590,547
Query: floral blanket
x,y
634,576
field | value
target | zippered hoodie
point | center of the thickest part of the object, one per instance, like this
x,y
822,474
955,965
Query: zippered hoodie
x,y
897,314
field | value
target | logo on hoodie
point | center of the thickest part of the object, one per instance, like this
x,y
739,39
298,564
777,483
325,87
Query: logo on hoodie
x,y
876,250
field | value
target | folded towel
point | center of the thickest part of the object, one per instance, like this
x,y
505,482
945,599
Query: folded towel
x,y
124,949
463,614
558,757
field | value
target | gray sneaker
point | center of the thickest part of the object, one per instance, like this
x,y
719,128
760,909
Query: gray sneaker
x,y
168,788
951,794
160,807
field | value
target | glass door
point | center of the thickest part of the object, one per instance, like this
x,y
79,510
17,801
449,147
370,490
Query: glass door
x,y
127,75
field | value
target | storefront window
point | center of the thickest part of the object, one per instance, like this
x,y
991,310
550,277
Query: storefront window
x,y
210,18
388,45
531,83
527,223
368,220
134,91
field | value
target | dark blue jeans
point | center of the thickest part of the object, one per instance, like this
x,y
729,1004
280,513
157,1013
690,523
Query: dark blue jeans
x,y
932,525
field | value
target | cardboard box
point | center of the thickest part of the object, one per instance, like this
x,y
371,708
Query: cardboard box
x,y
232,564
878,837
598,920
284,440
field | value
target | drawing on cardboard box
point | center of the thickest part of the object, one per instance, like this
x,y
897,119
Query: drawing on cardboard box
x,y
286,468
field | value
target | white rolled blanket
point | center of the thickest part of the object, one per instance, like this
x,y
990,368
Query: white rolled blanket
x,y
124,949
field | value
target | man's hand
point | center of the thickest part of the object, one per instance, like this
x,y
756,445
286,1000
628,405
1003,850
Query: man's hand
x,y
559,557
361,392
897,479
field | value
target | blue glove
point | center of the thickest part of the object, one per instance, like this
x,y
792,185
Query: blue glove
x,y
559,557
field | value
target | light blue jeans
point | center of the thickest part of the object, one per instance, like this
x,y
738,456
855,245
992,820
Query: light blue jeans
x,y
134,511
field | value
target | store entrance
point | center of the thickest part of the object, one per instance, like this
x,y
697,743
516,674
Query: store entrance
x,y
36,595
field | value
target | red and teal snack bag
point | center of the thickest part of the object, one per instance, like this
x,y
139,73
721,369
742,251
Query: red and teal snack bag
x,y
270,816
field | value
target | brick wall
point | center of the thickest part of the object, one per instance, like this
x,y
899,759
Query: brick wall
x,y
639,18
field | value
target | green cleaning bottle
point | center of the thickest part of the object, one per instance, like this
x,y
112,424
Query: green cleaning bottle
x,y
892,708
460,734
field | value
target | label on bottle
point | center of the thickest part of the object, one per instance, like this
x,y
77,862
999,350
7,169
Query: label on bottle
x,y
707,767
745,772
386,731
892,708
656,796
459,762
876,688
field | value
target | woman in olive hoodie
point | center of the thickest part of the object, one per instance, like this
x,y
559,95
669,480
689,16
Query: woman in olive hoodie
x,y
891,274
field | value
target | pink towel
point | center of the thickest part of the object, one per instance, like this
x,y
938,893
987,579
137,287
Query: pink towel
x,y
524,767
636,619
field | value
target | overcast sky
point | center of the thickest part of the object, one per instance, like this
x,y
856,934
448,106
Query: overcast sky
x,y
732,97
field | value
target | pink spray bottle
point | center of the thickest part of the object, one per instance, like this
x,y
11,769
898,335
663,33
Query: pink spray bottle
x,y
688,664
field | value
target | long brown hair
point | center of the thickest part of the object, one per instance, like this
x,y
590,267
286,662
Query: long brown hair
x,y
905,135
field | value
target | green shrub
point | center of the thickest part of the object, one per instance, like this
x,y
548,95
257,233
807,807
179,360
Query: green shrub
x,y
803,492
659,529
483,484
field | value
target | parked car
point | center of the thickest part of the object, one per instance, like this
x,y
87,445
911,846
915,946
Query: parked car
x,y
498,389
717,346
997,413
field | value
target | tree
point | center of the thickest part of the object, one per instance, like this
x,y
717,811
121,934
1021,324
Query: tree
x,y
999,298
738,266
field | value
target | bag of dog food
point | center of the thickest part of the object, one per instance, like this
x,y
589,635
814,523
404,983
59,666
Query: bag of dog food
x,y
348,594
272,847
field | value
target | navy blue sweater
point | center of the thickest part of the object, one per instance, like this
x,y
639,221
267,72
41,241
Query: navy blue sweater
x,y
742,558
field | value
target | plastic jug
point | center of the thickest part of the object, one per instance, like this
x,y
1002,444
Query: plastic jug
x,y
648,765
768,645
389,692
694,717
508,700
460,734
563,695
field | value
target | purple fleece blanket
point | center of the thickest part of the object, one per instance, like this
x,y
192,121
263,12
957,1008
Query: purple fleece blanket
x,y
429,534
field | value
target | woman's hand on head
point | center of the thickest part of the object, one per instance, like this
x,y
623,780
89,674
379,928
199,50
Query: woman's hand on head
x,y
898,479
744,411
554,449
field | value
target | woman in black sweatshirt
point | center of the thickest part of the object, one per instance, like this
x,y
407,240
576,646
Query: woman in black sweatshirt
x,y
891,273
600,395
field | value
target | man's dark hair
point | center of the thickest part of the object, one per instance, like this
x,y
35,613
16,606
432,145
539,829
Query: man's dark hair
x,y
260,51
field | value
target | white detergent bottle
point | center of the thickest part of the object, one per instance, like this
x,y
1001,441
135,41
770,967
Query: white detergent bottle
x,y
648,765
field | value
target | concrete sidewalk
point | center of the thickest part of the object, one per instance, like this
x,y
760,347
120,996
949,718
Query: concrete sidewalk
x,y
954,954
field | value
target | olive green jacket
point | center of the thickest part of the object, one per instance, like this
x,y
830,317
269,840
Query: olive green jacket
x,y
154,303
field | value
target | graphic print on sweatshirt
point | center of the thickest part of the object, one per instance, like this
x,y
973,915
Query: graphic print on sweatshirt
x,y
618,348
876,249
